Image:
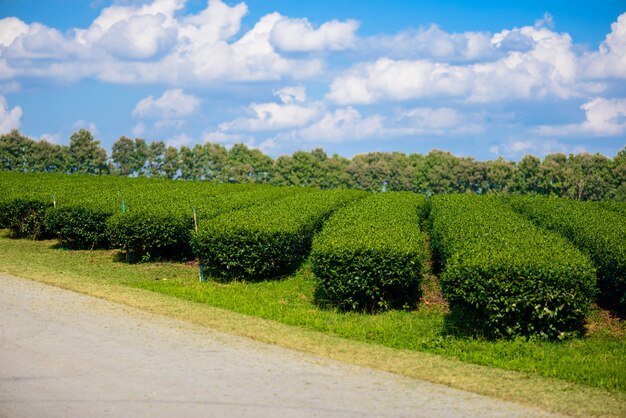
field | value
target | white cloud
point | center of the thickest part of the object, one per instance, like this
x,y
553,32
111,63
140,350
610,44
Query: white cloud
x,y
293,112
516,149
273,116
547,21
172,104
291,94
548,68
432,43
139,129
10,29
603,117
9,118
83,124
51,138
299,35
227,138
345,124
439,121
610,60
155,43
139,37
179,140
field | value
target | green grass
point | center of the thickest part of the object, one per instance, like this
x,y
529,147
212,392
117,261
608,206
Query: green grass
x,y
597,360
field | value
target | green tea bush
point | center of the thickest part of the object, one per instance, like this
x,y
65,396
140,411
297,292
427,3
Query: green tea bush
x,y
152,234
25,217
266,241
370,254
506,276
598,232
79,226
613,205
160,225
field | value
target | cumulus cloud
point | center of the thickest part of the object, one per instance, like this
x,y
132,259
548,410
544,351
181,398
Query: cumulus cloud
x,y
516,149
439,121
179,140
291,113
83,124
299,35
172,104
291,94
432,43
139,37
610,60
345,124
155,43
603,117
10,29
9,118
548,68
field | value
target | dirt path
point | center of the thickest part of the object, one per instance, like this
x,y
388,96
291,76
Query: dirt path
x,y
63,354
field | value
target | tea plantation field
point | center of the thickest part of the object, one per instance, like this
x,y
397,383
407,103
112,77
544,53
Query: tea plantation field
x,y
510,267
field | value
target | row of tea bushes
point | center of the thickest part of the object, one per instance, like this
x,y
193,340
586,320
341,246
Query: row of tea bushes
x,y
506,275
598,232
156,228
148,218
370,254
269,240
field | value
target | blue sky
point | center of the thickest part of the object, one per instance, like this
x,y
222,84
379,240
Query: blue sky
x,y
480,78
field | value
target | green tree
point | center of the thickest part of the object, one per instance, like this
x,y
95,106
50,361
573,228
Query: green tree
x,y
156,159
171,162
85,155
122,154
47,158
211,160
618,172
527,178
499,175
247,165
15,149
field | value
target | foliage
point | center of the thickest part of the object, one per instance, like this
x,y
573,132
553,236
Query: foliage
x,y
158,222
505,275
595,361
581,176
25,217
370,254
266,241
598,232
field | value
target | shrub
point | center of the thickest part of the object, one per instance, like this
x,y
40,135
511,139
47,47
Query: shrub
x,y
160,226
505,275
79,227
598,232
266,241
370,254
25,217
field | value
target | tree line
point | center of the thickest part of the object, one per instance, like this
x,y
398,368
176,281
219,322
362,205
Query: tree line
x,y
581,176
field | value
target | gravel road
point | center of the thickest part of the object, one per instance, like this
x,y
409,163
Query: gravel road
x,y
63,354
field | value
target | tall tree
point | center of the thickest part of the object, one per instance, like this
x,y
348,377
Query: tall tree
x,y
528,175
618,172
247,165
211,160
48,158
122,154
171,162
14,151
499,175
85,155
156,159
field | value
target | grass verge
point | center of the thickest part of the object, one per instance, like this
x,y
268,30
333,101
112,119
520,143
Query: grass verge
x,y
582,377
